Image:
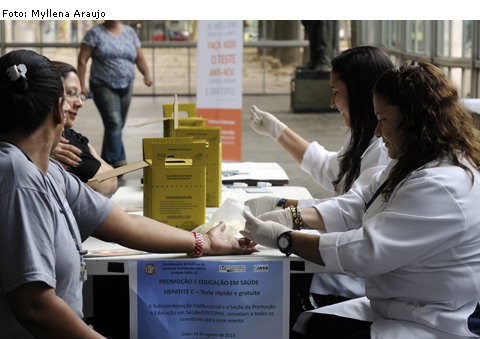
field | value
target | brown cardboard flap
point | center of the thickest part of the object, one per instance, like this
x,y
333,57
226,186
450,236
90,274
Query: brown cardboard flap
x,y
149,122
119,171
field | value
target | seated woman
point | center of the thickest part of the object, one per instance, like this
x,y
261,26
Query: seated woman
x,y
74,151
46,213
413,233
352,78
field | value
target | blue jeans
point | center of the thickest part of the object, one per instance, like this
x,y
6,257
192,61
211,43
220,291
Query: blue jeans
x,y
113,106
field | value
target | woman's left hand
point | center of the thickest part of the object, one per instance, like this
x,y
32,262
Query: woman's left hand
x,y
283,217
147,80
216,242
262,204
264,233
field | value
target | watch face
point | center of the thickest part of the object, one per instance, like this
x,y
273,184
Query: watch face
x,y
283,242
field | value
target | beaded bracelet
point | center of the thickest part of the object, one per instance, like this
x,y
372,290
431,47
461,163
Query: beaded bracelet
x,y
297,218
197,251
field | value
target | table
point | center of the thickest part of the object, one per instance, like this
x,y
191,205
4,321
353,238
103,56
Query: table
x,y
107,286
253,172
130,198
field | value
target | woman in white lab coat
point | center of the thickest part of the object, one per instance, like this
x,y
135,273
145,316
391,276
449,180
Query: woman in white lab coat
x,y
353,76
414,233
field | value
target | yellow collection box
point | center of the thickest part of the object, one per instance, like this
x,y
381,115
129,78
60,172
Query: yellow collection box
x,y
174,183
213,159
190,108
191,121
168,125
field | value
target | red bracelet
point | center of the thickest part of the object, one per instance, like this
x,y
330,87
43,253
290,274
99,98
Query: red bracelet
x,y
197,251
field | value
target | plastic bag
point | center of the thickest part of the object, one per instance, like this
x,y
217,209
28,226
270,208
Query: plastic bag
x,y
229,212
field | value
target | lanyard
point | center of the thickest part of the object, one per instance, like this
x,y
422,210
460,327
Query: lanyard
x,y
377,193
83,266
64,212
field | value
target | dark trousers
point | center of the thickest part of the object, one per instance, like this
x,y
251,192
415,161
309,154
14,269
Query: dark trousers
x,y
327,326
113,105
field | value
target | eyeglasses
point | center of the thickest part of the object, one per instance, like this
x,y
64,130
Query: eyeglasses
x,y
74,95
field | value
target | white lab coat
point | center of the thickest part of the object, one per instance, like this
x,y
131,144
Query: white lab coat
x,y
419,252
324,167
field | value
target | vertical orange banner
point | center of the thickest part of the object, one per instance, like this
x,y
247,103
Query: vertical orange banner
x,y
219,81
230,120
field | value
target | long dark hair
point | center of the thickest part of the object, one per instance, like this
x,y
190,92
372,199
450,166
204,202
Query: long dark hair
x,y
358,68
27,101
434,125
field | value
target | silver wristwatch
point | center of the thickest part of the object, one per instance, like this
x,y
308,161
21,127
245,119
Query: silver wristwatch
x,y
284,243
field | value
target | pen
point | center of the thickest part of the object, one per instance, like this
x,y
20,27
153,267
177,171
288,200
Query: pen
x,y
230,173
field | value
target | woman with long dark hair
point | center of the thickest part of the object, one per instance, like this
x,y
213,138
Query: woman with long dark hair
x,y
413,234
352,78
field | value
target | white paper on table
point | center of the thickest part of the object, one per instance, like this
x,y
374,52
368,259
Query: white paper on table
x,y
254,171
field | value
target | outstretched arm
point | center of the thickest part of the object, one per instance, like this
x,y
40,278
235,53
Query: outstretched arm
x,y
148,235
294,144
267,124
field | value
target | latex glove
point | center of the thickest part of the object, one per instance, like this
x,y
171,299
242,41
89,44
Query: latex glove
x,y
262,232
261,205
265,123
283,216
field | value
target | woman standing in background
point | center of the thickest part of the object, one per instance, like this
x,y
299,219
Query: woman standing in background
x,y
114,49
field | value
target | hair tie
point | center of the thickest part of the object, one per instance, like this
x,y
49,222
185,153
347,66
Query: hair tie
x,y
16,71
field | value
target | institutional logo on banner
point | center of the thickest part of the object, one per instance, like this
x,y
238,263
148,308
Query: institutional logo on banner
x,y
219,81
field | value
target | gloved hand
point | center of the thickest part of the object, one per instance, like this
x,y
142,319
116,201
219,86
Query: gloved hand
x,y
262,232
265,123
261,205
283,216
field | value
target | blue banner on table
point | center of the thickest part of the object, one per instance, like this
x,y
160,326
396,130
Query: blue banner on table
x,y
193,299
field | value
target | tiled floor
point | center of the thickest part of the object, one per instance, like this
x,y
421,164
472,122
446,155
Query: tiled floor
x,y
326,128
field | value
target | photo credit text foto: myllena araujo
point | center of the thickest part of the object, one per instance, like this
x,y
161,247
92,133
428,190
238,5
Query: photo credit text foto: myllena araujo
x,y
52,14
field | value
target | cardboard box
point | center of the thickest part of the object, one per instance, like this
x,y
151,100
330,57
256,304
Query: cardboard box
x,y
169,123
170,109
174,183
213,159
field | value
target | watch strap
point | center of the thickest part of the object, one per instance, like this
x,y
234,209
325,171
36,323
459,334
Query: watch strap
x,y
281,203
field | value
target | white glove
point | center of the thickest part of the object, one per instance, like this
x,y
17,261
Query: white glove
x,y
265,123
262,232
261,205
283,217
